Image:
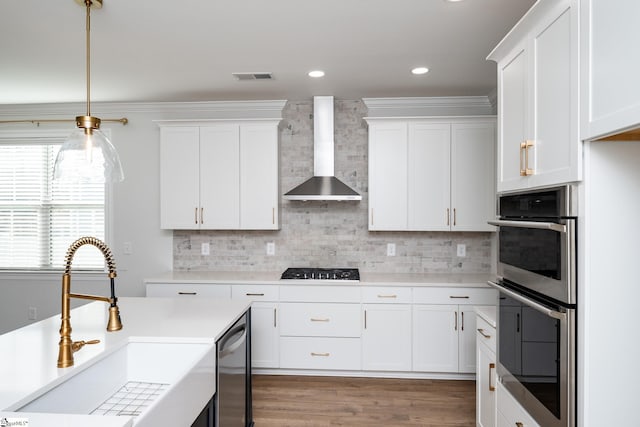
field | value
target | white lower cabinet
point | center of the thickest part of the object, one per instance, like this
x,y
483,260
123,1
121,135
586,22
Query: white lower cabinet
x,y
265,328
485,374
320,353
510,413
444,333
386,332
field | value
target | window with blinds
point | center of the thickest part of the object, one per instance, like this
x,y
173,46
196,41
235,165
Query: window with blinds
x,y
39,217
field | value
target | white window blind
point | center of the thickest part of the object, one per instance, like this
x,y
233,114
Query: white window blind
x,y
39,217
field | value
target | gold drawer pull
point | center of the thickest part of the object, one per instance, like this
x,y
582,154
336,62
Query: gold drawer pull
x,y
320,354
492,366
519,424
319,320
481,331
187,293
387,296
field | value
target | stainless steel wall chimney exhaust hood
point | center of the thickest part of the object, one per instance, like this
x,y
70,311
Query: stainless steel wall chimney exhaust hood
x,y
323,185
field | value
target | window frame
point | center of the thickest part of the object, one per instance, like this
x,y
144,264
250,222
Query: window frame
x,y
56,136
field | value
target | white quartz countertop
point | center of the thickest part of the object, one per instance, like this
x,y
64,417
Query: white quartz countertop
x,y
28,355
366,279
488,313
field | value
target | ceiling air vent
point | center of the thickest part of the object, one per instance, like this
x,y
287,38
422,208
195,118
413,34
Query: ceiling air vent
x,y
252,76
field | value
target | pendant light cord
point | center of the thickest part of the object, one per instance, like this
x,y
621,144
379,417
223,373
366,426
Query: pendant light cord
x,y
88,47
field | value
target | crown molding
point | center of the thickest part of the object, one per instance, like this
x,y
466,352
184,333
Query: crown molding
x,y
431,106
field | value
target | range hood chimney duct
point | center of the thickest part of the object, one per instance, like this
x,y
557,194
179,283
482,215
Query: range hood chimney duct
x,y
323,185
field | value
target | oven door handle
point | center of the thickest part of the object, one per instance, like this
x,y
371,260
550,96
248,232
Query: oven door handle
x,y
560,228
537,306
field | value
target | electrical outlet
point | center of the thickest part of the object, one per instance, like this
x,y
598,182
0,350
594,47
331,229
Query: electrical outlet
x,y
391,249
204,249
33,313
462,250
271,248
127,248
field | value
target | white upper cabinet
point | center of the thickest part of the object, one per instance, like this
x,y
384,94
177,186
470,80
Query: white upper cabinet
x,y
431,174
538,82
221,175
610,68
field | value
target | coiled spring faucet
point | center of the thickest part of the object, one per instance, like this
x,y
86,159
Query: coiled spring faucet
x,y
66,346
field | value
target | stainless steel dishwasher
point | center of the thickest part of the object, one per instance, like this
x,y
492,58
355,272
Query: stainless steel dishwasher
x,y
233,394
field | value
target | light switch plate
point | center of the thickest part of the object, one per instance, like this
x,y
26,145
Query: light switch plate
x,y
391,249
271,248
462,250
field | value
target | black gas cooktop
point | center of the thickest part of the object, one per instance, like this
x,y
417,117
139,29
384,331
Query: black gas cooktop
x,y
321,274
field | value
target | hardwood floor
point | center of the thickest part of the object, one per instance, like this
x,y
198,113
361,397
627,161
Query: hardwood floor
x,y
300,401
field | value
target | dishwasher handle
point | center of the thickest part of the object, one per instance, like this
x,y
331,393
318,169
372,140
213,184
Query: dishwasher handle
x,y
227,348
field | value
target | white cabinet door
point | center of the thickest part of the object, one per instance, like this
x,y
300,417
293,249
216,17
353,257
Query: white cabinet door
x,y
510,412
429,157
179,177
466,339
388,176
485,387
258,177
435,338
265,335
555,126
472,176
512,119
610,94
386,337
219,177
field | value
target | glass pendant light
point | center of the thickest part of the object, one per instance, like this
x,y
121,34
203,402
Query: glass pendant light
x,y
88,155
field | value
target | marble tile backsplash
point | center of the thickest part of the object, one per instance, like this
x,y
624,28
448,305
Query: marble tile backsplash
x,y
329,234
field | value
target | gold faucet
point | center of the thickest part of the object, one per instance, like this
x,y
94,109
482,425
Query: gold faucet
x,y
66,346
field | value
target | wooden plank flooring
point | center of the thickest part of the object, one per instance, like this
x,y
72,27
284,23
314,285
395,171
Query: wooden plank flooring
x,y
301,401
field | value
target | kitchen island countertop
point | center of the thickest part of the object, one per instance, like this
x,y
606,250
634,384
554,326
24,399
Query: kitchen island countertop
x,y
29,354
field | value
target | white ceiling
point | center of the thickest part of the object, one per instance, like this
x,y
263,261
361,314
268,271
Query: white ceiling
x,y
144,50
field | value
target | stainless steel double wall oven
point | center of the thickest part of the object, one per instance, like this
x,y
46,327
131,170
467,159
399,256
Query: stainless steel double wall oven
x,y
537,269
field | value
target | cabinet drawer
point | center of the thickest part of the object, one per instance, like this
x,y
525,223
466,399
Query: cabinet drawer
x,y
320,353
386,295
304,293
485,334
255,292
320,320
446,295
511,410
187,290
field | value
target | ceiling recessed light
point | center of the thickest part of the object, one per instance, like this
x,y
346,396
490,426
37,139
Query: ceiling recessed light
x,y
316,73
420,70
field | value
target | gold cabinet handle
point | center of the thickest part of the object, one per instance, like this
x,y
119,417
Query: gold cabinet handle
x,y
481,331
274,318
187,293
455,317
319,320
254,295
320,354
519,424
387,296
455,219
195,215
201,215
371,216
447,216
459,296
462,315
273,216
527,171
365,319
492,366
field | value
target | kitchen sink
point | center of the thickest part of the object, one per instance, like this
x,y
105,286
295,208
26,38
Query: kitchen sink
x,y
158,383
